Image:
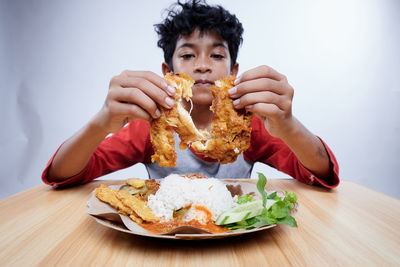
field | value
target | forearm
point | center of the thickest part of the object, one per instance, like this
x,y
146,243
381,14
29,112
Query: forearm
x,y
267,93
309,150
74,154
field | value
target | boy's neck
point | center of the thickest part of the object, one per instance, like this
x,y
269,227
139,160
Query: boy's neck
x,y
201,115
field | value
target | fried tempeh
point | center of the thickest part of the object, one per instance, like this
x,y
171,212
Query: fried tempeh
x,y
109,196
135,218
139,206
126,204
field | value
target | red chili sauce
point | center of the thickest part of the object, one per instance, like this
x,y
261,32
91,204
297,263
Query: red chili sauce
x,y
165,227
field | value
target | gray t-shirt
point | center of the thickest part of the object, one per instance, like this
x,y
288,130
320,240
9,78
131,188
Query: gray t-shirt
x,y
188,162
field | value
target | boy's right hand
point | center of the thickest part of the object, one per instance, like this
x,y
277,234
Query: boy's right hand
x,y
133,95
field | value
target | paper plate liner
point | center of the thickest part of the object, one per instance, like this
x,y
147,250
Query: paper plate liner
x,y
106,215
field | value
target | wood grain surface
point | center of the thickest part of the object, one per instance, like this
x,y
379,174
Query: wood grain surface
x,y
350,225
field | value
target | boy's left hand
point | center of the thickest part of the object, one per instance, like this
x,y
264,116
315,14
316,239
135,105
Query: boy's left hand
x,y
266,93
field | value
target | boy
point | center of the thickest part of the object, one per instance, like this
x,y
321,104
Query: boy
x,y
201,41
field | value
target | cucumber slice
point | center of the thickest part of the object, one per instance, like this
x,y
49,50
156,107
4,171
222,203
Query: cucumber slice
x,y
243,212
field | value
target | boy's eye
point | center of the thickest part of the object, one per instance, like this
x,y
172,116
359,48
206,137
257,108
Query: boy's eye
x,y
187,56
217,56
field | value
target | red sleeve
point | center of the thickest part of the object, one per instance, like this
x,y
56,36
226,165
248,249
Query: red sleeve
x,y
274,152
128,146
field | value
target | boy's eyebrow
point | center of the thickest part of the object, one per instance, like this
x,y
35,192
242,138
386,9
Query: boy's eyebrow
x,y
220,44
191,45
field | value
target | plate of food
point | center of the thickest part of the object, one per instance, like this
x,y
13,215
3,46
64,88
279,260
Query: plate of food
x,y
191,207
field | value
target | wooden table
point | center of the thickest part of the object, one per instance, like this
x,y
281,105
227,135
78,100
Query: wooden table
x,y
350,225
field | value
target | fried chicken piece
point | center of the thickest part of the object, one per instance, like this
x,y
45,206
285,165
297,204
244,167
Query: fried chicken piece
x,y
196,176
163,141
230,128
177,118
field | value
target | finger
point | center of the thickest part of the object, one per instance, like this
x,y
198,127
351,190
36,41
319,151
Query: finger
x,y
257,85
260,97
148,88
131,111
265,110
136,97
158,81
260,72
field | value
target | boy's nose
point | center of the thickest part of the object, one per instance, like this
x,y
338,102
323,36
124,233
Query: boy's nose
x,y
203,65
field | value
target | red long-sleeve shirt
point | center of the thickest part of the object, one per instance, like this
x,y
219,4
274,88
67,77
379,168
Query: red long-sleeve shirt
x,y
132,145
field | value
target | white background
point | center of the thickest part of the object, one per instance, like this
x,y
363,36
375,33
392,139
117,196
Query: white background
x,y
342,58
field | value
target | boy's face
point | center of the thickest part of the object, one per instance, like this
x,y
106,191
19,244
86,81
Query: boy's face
x,y
205,58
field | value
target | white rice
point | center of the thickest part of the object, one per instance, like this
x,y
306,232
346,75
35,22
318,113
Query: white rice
x,y
176,192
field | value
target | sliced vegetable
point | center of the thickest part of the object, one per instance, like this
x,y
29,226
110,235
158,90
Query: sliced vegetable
x,y
242,212
133,191
135,182
271,209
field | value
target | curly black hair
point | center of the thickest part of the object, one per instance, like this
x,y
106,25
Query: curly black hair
x,y
184,18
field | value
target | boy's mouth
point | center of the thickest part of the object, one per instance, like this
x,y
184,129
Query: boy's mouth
x,y
202,83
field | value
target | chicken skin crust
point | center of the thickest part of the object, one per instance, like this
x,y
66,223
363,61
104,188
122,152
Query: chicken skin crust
x,y
229,134
175,119
230,128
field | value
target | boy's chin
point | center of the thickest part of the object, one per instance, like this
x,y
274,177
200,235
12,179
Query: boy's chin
x,y
204,98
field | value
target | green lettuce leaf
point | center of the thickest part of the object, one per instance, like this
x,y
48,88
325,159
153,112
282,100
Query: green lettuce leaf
x,y
244,199
278,213
262,181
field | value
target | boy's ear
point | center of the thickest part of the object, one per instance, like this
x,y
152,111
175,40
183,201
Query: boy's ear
x,y
235,69
165,68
